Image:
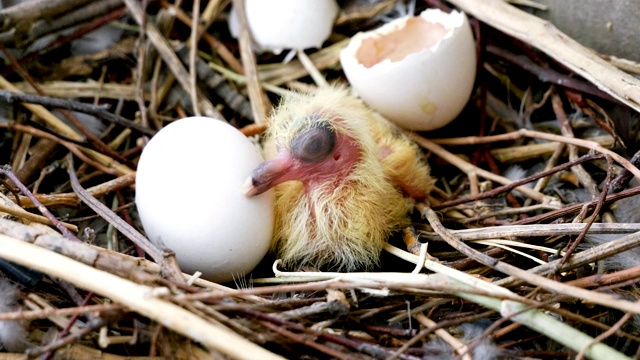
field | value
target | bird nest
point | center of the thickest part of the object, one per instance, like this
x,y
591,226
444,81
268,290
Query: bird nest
x,y
525,248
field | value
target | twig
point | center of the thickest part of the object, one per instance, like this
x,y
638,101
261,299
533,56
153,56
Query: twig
x,y
546,37
45,313
501,189
588,144
19,212
168,263
70,146
547,74
604,335
545,283
30,11
305,341
576,207
193,48
565,127
170,58
96,110
139,298
259,102
58,343
470,169
603,195
43,210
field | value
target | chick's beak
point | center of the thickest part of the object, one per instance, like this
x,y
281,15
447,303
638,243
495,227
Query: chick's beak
x,y
269,174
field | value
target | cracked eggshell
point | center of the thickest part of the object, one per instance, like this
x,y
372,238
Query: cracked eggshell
x,y
287,24
417,71
190,198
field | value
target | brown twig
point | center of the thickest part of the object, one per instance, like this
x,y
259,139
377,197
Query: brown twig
x,y
168,263
259,102
6,171
574,245
95,110
604,335
501,189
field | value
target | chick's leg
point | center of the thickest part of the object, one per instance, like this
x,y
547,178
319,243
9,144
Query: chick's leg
x,y
410,239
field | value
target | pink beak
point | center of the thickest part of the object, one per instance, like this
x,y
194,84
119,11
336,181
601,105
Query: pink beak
x,y
269,174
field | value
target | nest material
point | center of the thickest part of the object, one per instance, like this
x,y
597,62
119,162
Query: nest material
x,y
511,270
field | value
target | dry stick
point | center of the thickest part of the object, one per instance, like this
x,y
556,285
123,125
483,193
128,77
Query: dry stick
x,y
553,160
458,346
170,58
77,151
546,74
373,350
75,17
604,335
91,138
470,169
603,195
514,135
95,110
58,343
139,73
138,298
430,327
625,176
580,259
607,279
535,230
65,130
21,213
583,177
305,340
67,234
45,313
506,212
80,32
167,263
259,102
499,190
547,284
278,74
193,45
30,11
551,215
222,51
65,331
546,37
497,300
71,199
217,83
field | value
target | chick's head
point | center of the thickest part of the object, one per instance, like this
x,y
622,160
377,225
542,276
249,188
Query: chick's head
x,y
316,139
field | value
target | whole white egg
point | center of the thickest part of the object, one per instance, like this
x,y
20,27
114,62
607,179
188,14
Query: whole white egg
x,y
190,197
417,71
287,24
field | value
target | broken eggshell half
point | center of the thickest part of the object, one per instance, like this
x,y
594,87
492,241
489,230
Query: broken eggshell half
x,y
417,71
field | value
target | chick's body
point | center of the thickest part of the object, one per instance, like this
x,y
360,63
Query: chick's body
x,y
353,172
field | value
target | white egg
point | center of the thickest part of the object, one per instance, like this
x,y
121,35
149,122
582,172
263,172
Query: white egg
x,y
287,24
417,71
190,197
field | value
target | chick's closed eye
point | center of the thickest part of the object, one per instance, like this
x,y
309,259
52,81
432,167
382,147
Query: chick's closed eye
x,y
314,144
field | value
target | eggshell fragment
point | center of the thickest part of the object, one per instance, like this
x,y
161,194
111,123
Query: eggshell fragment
x,y
416,71
287,24
190,198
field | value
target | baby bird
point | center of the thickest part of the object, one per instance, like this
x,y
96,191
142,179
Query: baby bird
x,y
344,179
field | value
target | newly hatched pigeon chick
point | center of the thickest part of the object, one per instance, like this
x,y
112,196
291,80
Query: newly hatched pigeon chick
x,y
355,175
